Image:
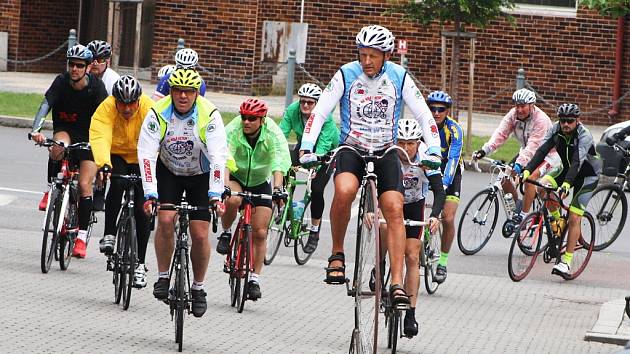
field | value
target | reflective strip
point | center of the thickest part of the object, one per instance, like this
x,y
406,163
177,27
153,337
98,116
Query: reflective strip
x,y
452,198
575,210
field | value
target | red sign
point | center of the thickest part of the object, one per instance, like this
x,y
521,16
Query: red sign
x,y
402,46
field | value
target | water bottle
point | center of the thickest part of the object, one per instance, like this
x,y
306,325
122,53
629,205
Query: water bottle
x,y
509,202
298,209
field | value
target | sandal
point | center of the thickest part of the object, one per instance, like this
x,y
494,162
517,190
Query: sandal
x,y
336,279
399,297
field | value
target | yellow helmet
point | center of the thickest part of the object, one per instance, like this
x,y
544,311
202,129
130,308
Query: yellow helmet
x,y
185,78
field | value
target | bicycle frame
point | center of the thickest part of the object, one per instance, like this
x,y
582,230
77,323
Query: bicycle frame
x,y
499,172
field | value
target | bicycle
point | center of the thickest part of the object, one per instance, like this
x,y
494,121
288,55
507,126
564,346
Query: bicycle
x,y
526,244
288,227
61,223
429,257
609,207
122,263
239,261
179,298
483,210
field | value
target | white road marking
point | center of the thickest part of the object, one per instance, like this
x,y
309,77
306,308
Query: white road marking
x,y
19,190
6,199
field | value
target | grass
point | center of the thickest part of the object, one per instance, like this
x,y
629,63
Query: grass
x,y
26,105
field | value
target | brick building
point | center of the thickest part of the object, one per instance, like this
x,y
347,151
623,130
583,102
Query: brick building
x,y
566,57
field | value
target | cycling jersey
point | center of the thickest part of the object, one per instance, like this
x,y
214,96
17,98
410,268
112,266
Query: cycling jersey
x,y
416,183
109,79
112,134
292,120
164,89
529,133
270,153
187,145
451,140
370,108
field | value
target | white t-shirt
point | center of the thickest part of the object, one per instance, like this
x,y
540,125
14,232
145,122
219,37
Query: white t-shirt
x,y
109,79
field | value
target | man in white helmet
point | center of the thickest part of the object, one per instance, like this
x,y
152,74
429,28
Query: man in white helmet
x,y
185,58
371,92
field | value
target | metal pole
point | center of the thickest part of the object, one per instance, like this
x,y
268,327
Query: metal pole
x,y
404,62
72,38
290,77
520,78
302,12
136,54
443,69
180,44
471,91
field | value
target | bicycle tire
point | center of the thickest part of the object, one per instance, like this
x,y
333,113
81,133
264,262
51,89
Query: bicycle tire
x,y
469,245
367,256
50,236
119,273
584,245
608,214
235,281
66,242
525,246
275,232
181,298
393,331
301,239
431,257
245,265
129,259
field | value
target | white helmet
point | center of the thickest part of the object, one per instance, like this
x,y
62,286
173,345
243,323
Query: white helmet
x,y
165,70
409,129
523,96
186,58
310,90
377,37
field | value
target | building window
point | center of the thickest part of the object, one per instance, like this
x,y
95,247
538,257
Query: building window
x,y
558,3
555,8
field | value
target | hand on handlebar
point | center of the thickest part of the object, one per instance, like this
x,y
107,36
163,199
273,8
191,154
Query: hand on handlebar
x,y
37,137
432,163
479,154
433,224
104,173
564,190
308,158
218,206
149,206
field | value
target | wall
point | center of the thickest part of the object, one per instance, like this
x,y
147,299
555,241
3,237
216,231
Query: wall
x,y
10,22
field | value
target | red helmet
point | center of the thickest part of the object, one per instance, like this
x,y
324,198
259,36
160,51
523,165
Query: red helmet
x,y
253,107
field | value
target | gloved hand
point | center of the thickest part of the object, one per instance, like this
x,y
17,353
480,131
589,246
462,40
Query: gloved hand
x,y
479,154
564,189
279,194
614,138
432,163
104,173
526,174
149,206
218,206
307,158
517,168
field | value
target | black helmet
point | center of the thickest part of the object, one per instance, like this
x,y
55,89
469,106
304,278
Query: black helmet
x,y
127,89
569,110
100,49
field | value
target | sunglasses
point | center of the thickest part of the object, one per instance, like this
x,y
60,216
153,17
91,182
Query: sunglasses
x,y
76,65
307,103
101,60
250,118
437,109
567,120
179,91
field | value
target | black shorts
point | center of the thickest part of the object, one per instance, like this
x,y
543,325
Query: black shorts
x,y
453,191
263,188
414,211
171,188
387,169
76,137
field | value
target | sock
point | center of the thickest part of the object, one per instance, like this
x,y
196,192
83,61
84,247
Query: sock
x,y
82,235
196,285
555,214
411,312
253,277
443,259
567,258
523,214
162,275
314,228
229,229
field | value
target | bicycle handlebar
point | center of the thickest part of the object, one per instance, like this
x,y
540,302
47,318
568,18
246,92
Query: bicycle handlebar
x,y
333,153
550,190
408,222
250,195
75,146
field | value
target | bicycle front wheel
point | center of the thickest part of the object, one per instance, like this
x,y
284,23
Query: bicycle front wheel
x,y
366,301
477,222
120,274
129,259
245,265
50,237
584,246
300,256
181,297
275,233
431,258
525,246
66,241
609,208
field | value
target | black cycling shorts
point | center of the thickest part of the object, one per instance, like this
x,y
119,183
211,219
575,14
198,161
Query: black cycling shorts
x,y
387,169
171,188
414,211
453,191
76,137
263,188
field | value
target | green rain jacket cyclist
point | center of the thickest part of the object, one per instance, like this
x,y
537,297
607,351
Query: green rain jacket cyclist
x,y
292,120
256,165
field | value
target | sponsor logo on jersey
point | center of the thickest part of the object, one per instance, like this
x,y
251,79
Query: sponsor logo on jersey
x,y
190,123
152,126
216,174
210,128
309,124
180,149
148,177
68,117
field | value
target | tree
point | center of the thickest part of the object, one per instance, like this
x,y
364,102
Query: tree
x,y
477,13
609,8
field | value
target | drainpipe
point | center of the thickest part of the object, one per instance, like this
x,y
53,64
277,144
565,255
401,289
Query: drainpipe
x,y
614,111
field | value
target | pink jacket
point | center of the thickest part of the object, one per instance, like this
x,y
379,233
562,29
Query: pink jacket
x,y
529,133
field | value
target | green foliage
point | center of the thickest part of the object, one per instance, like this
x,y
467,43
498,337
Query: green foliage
x,y
608,8
20,104
473,12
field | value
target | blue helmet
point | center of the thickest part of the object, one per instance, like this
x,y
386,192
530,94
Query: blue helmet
x,y
440,97
80,52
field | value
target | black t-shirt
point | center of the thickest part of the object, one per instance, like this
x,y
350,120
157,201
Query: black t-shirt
x,y
72,110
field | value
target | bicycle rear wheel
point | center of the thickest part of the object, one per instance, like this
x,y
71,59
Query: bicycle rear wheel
x,y
244,265
366,301
235,280
525,246
477,222
431,257
66,241
584,246
609,208
50,237
392,331
300,256
276,231
129,259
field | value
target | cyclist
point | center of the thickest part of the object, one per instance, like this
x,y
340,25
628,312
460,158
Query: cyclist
x,y
182,147
184,59
73,97
294,119
260,152
529,124
164,71
371,92
102,52
451,140
580,169
114,138
416,181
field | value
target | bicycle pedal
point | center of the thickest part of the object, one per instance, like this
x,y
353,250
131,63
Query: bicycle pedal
x,y
402,307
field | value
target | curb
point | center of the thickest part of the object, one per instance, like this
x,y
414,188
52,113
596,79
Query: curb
x,y
611,326
19,122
